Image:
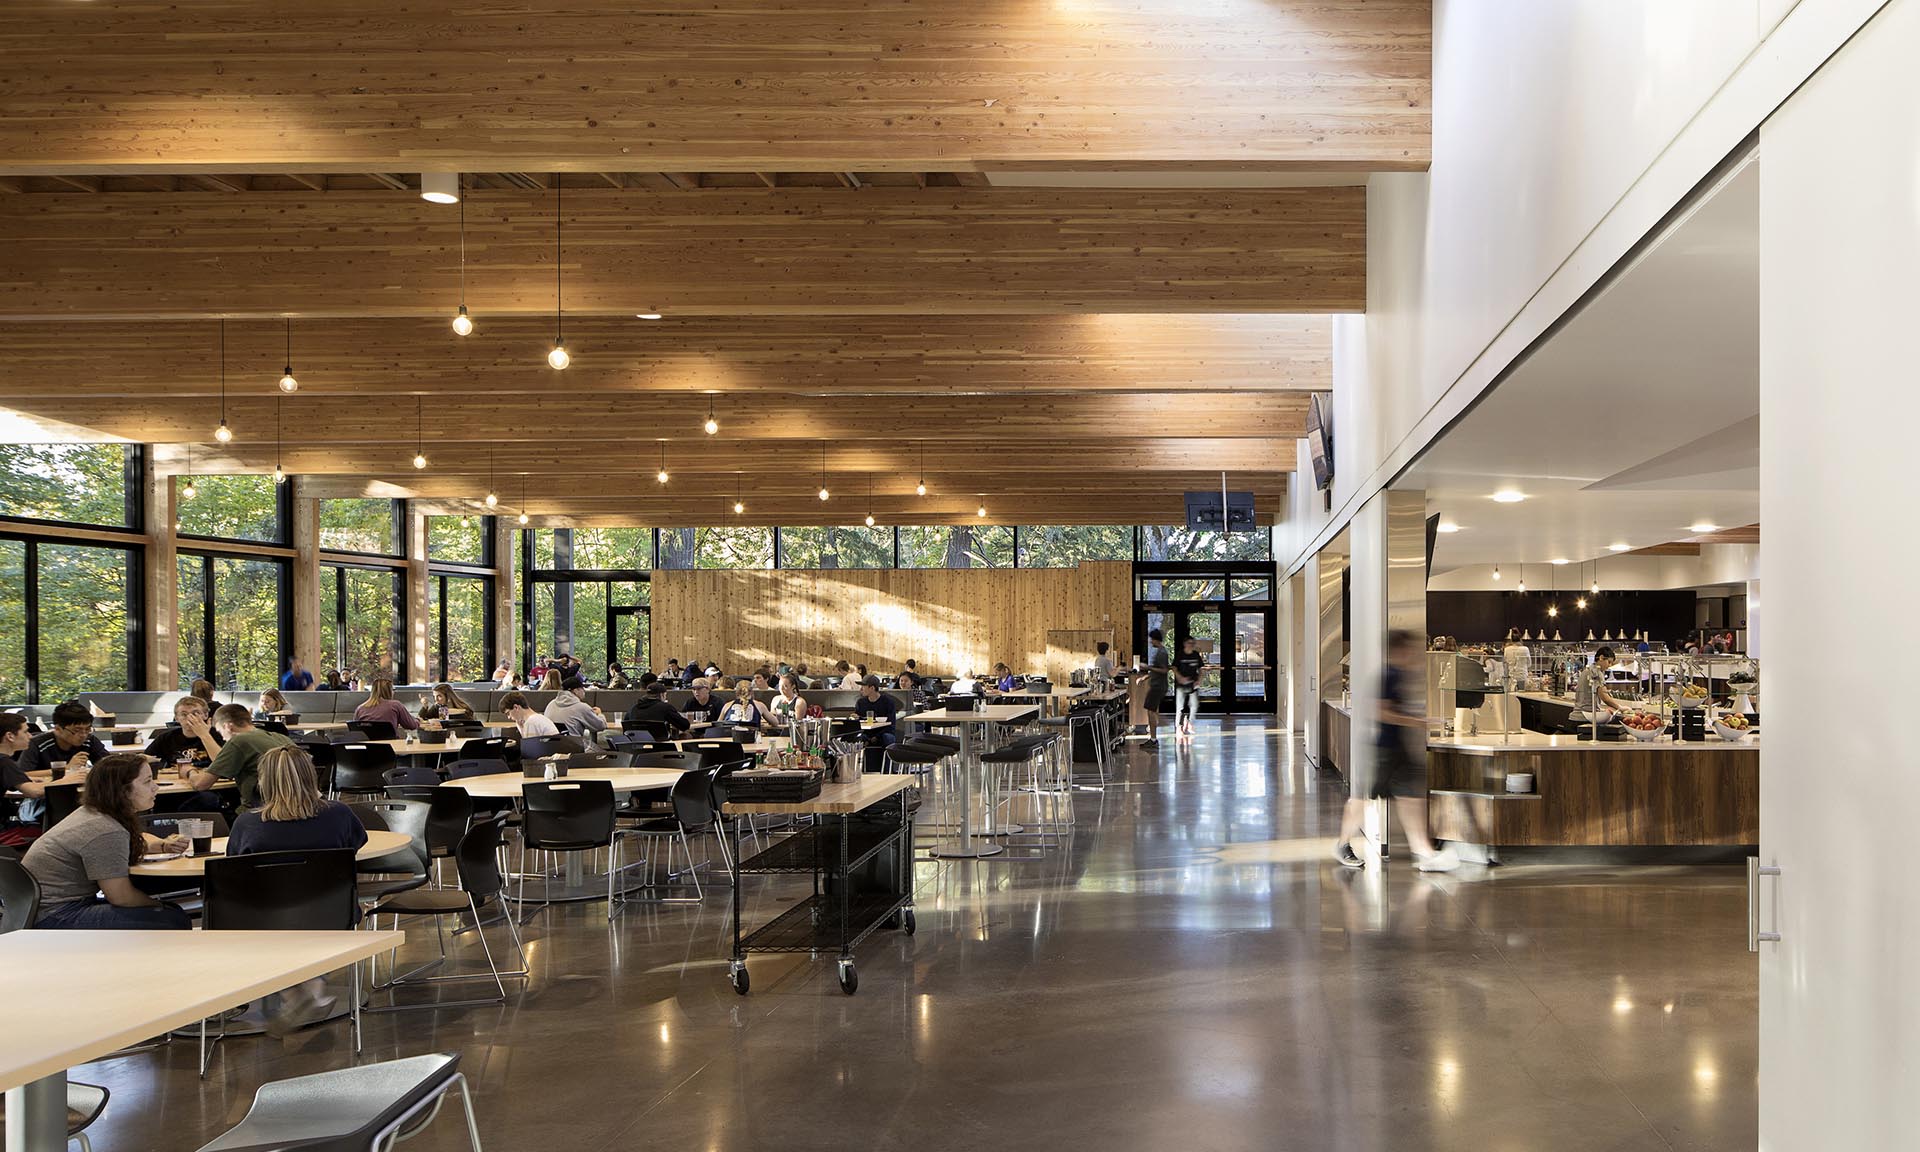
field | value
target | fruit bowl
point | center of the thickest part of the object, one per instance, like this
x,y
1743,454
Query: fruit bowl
x,y
1690,702
1728,732
1657,729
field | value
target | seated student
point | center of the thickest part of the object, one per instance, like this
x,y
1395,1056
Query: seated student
x,y
189,740
294,817
672,671
297,678
652,708
760,682
529,722
575,716
910,675
71,744
19,822
446,705
617,680
848,680
380,705
1002,678
239,758
800,677
82,863
743,711
204,690
502,673
875,705
966,685
272,705
704,705
335,682
789,703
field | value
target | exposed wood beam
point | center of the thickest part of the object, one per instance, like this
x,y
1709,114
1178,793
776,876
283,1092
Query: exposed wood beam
x,y
741,360
742,85
611,419
222,183
771,180
613,179
684,181
13,184
888,250
87,184
389,180
847,179
311,183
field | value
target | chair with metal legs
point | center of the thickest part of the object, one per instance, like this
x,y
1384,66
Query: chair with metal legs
x,y
693,811
478,864
372,1107
570,816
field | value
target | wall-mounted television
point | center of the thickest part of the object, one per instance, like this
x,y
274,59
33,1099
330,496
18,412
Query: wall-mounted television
x,y
1320,439
1203,512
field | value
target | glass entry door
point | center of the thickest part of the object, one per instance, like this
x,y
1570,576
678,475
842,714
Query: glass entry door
x,y
1252,668
630,638
1236,675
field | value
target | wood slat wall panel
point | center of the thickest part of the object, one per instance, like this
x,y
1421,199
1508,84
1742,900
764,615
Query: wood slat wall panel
x,y
599,85
743,360
886,251
947,619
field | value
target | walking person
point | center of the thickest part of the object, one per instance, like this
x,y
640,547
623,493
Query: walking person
x,y
1400,772
1186,685
1157,666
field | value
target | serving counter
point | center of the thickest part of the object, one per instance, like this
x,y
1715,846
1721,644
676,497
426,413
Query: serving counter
x,y
1631,794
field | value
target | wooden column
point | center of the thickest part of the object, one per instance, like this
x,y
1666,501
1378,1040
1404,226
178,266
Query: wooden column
x,y
418,641
506,630
306,578
162,576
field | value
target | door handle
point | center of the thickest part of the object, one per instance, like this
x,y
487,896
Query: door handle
x,y
1755,870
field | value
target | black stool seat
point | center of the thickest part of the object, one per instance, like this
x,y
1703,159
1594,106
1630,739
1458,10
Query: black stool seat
x,y
935,739
423,902
912,753
1016,751
346,1110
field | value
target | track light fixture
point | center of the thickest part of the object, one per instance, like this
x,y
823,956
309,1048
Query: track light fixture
x,y
712,426
463,323
223,433
558,358
287,382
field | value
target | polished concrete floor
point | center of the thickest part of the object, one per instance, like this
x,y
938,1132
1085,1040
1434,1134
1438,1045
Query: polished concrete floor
x,y
1192,973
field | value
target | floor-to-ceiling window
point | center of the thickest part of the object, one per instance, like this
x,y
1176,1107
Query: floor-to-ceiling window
x,y
362,622
234,623
460,647
588,593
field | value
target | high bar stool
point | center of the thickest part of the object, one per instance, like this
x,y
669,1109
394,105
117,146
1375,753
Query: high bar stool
x,y
1006,760
916,759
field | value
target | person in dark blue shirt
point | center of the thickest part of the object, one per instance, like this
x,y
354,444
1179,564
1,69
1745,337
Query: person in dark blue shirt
x,y
881,710
297,679
71,744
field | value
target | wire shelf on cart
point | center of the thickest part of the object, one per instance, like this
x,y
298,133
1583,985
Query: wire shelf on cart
x,y
817,849
814,924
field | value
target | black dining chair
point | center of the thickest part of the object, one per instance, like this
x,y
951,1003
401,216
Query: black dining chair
x,y
374,729
489,748
692,801
677,760
361,769
370,1107
449,812
401,870
597,760
19,895
304,891
411,782
477,766
477,863
570,816
541,747
654,729
63,800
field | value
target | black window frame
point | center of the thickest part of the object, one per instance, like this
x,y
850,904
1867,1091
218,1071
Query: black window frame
x,y
134,473
136,605
283,607
282,515
437,609
399,508
401,624
487,528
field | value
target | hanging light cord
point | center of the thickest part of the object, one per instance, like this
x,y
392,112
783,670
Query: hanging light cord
x,y
223,373
289,345
559,312
463,251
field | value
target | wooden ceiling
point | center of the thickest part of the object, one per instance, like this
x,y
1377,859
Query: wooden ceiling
x,y
824,201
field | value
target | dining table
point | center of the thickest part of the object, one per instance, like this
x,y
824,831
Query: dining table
x,y
971,844
48,1034
380,842
573,882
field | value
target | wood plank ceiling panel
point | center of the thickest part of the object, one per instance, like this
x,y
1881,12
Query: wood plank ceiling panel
x,y
887,250
743,359
603,86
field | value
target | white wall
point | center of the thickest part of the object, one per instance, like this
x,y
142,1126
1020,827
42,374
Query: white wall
x,y
1716,564
1563,131
1839,774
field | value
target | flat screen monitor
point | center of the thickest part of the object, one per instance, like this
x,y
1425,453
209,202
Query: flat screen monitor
x,y
1320,439
1204,514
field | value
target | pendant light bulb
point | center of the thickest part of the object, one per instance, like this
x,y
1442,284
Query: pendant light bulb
x,y
279,477
462,323
288,383
1596,588
419,459
739,506
1496,571
189,491
920,489
661,476
558,358
492,500
712,426
523,517
980,511
1522,586
823,492
223,433
869,519
1581,603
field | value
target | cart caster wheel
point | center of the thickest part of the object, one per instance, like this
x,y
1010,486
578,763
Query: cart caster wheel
x,y
738,978
849,979
906,922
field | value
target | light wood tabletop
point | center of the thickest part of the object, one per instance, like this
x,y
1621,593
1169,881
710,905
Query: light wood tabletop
x,y
1067,693
379,843
164,785
837,799
133,993
508,785
985,714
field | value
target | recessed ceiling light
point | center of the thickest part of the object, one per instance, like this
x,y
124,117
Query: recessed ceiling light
x,y
1509,496
1619,547
1703,526
1447,526
646,315
1560,560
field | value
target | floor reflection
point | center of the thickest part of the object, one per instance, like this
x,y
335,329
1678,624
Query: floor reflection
x,y
1190,971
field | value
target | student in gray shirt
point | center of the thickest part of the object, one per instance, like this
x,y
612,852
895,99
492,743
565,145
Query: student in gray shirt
x,y
82,863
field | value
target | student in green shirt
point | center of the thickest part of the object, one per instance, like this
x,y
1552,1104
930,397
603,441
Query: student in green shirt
x,y
239,757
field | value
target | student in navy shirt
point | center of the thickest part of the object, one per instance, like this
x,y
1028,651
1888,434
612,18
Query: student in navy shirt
x,y
875,705
297,679
71,744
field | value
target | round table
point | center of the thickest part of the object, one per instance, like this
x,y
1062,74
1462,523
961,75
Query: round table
x,y
574,882
379,843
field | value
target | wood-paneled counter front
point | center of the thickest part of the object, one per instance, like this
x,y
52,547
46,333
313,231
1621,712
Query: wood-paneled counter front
x,y
1657,794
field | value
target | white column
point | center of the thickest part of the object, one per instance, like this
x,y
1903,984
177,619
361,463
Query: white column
x,y
1839,775
1308,681
1366,655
